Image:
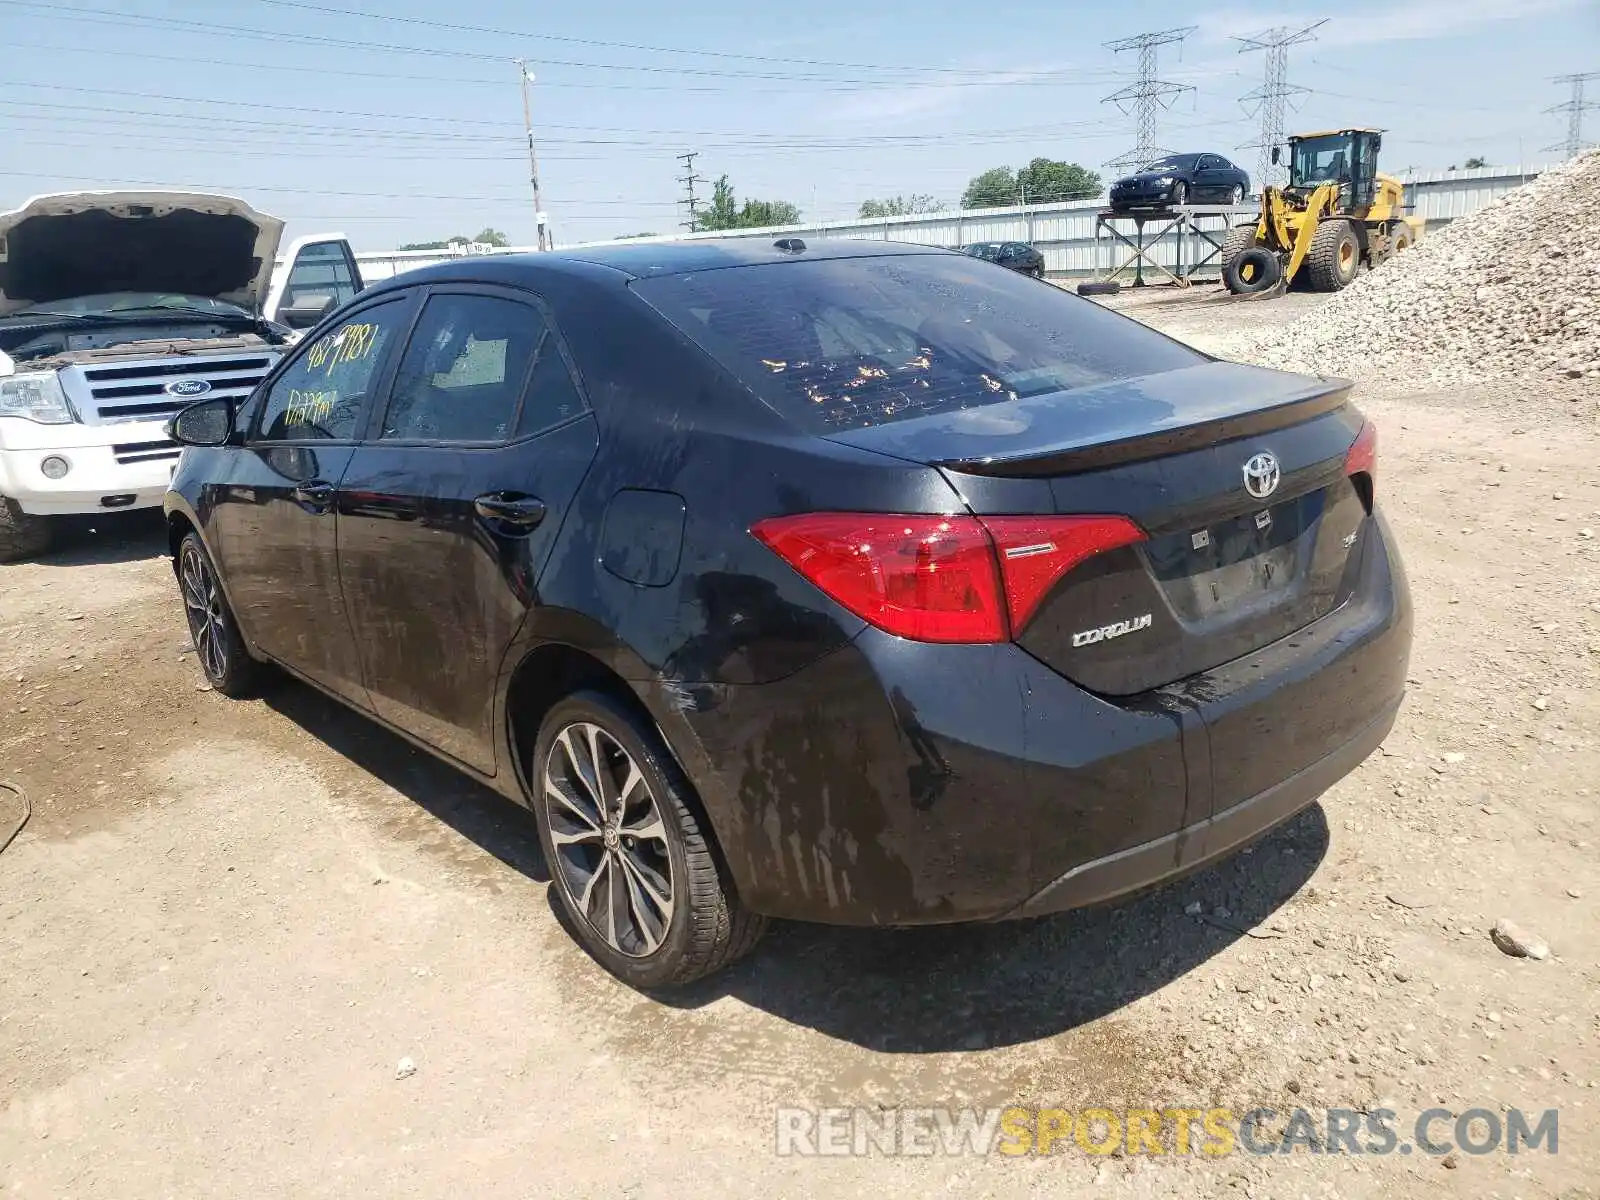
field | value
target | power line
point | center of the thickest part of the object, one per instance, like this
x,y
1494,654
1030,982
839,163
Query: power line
x,y
1574,108
1147,96
456,27
231,31
689,179
1275,92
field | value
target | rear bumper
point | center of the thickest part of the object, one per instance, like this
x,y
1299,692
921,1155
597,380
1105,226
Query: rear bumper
x,y
1195,846
897,783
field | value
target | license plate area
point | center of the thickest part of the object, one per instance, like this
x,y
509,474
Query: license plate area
x,y
1237,564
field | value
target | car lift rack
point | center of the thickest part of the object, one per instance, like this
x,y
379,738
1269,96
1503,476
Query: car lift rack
x,y
1197,230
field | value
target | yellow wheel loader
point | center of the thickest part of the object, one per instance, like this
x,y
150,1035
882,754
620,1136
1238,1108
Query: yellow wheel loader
x,y
1337,212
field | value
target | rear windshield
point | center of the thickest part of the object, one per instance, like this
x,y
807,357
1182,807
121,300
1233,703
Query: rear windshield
x,y
849,343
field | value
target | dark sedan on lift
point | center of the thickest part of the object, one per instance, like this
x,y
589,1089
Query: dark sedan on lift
x,y
1182,179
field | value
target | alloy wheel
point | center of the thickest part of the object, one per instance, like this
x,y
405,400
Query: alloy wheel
x,y
609,839
202,602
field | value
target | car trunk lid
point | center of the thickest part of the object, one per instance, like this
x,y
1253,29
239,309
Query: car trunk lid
x,y
1221,571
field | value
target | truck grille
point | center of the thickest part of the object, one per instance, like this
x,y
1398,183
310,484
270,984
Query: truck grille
x,y
138,452
137,391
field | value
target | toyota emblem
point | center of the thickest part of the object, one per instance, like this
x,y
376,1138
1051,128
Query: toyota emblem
x,y
1261,475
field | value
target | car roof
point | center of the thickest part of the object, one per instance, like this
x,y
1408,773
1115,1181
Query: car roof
x,y
641,261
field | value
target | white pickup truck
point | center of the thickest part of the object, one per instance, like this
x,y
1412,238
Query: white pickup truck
x,y
116,310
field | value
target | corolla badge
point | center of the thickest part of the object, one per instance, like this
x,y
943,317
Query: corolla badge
x,y
1261,475
188,388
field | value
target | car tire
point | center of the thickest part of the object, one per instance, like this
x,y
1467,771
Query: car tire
x,y
1334,257
1236,197
1180,194
224,659
1036,272
1255,269
680,917
1100,287
22,535
1239,239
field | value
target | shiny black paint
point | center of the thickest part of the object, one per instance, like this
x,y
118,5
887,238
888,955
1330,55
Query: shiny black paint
x,y
849,776
1207,178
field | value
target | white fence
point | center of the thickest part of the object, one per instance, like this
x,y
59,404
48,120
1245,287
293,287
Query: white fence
x,y
1063,233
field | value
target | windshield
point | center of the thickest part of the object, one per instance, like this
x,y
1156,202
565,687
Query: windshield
x,y
1320,160
848,343
112,303
1168,164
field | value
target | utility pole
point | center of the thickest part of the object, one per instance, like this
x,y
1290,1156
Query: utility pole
x,y
689,179
541,222
1574,108
1147,96
1269,100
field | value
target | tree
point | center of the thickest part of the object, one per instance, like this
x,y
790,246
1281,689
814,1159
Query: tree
x,y
1474,163
444,245
901,206
724,211
995,188
757,214
1043,181
492,236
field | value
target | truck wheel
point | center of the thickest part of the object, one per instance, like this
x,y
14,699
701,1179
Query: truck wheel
x,y
628,849
1255,269
22,535
1240,238
1334,257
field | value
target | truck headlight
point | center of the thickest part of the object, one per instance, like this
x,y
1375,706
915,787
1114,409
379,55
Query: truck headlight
x,y
36,396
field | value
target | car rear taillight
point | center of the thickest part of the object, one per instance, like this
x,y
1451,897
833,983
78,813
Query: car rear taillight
x,y
1362,459
1035,552
940,579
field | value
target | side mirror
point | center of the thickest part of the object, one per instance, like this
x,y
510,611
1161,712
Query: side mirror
x,y
1277,155
203,423
306,312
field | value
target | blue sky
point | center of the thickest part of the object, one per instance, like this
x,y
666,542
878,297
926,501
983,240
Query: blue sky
x,y
408,126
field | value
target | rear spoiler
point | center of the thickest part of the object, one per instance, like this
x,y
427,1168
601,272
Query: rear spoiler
x,y
1069,460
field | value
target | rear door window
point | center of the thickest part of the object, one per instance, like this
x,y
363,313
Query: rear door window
x,y
849,343
463,370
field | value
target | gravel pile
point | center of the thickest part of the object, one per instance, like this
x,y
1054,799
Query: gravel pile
x,y
1512,290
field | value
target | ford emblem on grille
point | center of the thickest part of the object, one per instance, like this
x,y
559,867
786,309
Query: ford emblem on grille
x,y
188,387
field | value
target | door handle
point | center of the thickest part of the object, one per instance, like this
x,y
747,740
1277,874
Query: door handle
x,y
522,513
317,493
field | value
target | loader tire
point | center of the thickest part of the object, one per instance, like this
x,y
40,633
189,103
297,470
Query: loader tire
x,y
1334,258
22,535
1240,238
1102,287
1255,269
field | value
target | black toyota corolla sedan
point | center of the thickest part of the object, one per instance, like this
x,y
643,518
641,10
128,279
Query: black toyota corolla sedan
x,y
843,582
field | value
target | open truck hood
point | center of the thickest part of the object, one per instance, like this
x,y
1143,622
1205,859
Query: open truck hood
x,y
71,244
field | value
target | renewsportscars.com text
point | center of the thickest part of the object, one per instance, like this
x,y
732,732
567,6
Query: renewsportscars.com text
x,y
1210,1132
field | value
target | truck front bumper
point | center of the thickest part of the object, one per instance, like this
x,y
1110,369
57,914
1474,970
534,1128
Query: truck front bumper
x,y
109,467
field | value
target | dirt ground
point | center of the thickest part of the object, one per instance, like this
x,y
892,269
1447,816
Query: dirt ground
x,y
227,923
